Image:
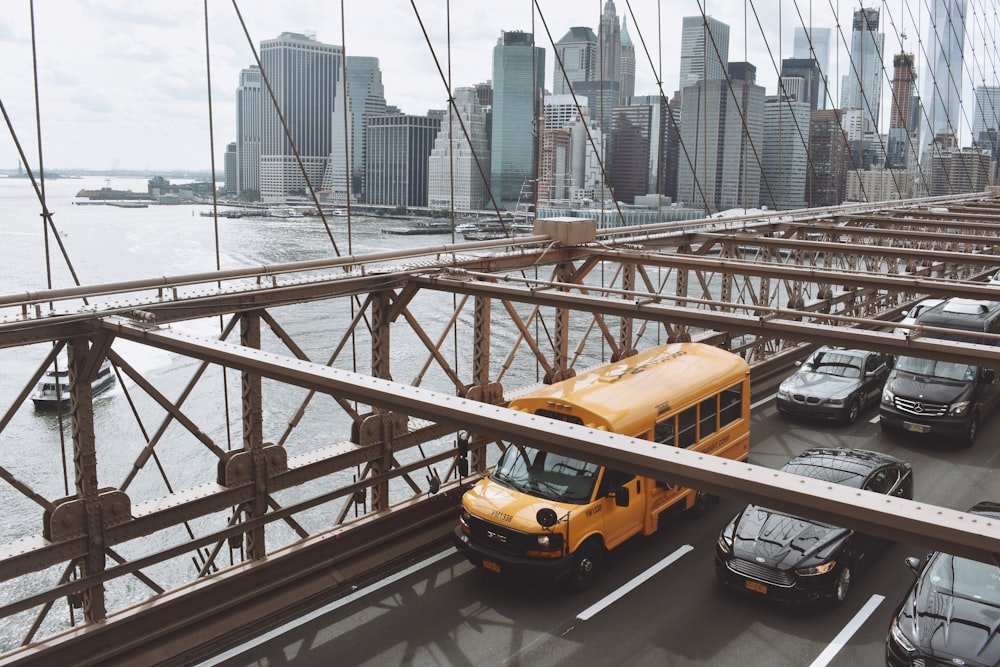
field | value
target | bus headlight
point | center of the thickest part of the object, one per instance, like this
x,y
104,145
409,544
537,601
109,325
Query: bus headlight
x,y
543,541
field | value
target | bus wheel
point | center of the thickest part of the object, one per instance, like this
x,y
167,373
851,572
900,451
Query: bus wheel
x,y
702,501
587,561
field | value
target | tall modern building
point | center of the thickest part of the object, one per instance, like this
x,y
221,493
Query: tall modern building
x,y
399,147
628,161
627,65
986,115
811,86
722,129
249,103
303,74
578,57
229,169
942,98
826,179
902,150
365,98
704,50
861,87
609,38
784,155
454,177
518,84
814,44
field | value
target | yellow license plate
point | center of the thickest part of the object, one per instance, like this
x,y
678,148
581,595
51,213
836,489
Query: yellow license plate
x,y
916,428
757,587
490,565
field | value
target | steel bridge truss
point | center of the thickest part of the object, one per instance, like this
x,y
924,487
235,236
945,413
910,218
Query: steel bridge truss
x,y
386,357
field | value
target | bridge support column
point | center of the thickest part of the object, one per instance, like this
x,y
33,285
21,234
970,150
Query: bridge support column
x,y
625,331
81,408
560,369
253,436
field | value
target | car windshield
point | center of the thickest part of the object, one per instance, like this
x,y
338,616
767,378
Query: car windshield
x,y
965,578
945,370
834,363
545,474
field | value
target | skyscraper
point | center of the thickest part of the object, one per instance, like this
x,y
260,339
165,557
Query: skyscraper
x,y
828,157
365,98
627,65
303,74
248,117
815,44
610,42
943,86
784,155
398,150
577,51
904,118
518,82
986,115
629,157
811,87
454,179
704,50
722,127
861,88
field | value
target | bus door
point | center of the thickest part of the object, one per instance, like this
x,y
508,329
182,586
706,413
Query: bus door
x,y
621,522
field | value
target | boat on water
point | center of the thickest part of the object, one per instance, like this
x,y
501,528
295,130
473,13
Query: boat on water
x,y
53,389
421,227
284,212
491,231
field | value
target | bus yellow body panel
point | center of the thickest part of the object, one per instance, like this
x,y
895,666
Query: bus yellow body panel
x,y
543,514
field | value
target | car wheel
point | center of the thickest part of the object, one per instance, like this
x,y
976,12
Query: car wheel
x,y
854,411
843,584
970,433
587,562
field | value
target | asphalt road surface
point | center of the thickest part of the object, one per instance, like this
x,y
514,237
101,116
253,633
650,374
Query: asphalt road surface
x,y
658,604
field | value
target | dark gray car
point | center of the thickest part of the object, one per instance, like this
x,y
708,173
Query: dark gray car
x,y
835,383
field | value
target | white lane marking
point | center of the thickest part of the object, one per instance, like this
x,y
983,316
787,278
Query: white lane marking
x,y
624,590
841,639
336,604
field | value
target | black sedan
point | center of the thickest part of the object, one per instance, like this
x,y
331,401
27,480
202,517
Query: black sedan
x,y
951,614
835,383
792,559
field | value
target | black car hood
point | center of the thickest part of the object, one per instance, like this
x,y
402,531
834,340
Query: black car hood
x,y
948,626
780,540
930,390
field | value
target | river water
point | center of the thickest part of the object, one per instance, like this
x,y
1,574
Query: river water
x,y
108,244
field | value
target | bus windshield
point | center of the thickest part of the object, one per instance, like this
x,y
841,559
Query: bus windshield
x,y
553,476
945,370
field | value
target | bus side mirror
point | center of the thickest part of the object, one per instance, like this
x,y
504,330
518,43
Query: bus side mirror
x,y
621,497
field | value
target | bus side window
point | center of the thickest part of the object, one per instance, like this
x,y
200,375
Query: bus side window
x,y
664,432
732,405
614,480
706,417
687,425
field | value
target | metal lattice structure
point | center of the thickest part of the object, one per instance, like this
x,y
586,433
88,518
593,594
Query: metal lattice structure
x,y
269,510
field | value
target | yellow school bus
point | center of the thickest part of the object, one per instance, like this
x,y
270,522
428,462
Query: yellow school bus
x,y
539,514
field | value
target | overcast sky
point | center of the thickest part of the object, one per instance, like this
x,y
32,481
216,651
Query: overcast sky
x,y
123,83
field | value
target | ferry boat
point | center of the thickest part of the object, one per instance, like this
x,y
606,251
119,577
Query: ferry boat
x,y
46,394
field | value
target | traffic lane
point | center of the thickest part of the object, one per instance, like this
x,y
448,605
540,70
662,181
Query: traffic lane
x,y
450,613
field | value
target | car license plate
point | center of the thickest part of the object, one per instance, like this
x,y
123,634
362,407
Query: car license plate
x,y
757,587
916,428
490,565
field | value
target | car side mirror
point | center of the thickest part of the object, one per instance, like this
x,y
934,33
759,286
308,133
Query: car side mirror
x,y
989,375
621,497
913,563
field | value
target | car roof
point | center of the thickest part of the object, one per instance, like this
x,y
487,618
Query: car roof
x,y
839,465
986,508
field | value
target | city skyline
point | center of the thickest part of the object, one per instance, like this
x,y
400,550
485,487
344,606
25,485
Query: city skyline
x,y
124,86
